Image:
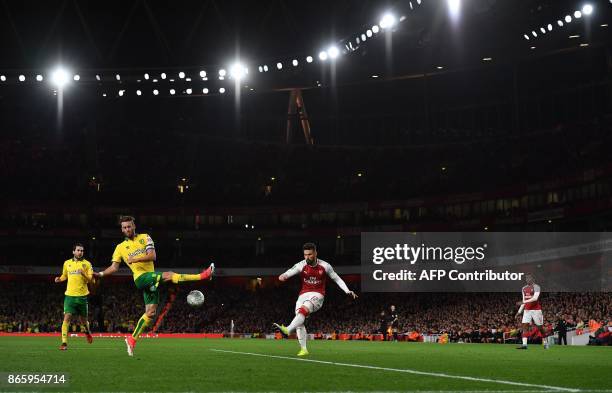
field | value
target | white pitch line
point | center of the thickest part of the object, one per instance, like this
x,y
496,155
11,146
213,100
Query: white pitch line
x,y
408,371
350,391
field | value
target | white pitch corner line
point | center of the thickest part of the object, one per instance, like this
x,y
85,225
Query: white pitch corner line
x,y
407,371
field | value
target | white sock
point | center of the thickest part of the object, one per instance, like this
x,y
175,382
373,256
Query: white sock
x,y
302,335
297,321
525,341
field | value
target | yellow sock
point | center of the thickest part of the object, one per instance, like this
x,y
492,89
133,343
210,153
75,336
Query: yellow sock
x,y
143,322
65,332
176,278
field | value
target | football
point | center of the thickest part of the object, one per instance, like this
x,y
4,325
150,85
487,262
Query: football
x,y
195,298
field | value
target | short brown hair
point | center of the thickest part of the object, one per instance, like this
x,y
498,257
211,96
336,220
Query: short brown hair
x,y
75,245
309,246
123,219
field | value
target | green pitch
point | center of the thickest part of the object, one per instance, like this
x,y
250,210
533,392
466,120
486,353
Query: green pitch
x,y
177,365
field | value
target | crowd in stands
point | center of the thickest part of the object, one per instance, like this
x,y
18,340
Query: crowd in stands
x,y
469,317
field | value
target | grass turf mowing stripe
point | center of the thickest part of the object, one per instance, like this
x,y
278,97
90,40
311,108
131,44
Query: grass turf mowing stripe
x,y
408,371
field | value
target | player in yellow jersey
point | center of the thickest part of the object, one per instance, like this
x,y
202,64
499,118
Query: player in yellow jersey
x,y
79,273
138,252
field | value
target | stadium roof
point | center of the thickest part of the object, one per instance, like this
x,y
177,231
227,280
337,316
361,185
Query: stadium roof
x,y
429,35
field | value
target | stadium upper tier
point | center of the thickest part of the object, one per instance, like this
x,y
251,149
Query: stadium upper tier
x,y
138,167
255,203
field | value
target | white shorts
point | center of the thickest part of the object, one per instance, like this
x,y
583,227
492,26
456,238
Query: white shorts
x,y
312,301
533,315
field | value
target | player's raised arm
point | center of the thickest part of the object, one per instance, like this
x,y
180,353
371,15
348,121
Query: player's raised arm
x,y
113,268
64,275
331,273
295,269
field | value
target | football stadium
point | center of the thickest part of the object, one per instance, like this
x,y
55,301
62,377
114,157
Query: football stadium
x,y
321,196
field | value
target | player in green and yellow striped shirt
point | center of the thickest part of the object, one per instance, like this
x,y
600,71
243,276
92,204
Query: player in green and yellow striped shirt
x,y
78,272
138,252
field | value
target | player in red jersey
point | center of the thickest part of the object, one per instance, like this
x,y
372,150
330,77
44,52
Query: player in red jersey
x,y
314,273
532,310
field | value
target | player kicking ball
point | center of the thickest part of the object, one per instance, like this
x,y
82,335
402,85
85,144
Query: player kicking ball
x,y
313,272
78,272
138,252
532,310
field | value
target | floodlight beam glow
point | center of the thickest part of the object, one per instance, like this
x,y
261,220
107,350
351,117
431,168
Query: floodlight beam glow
x,y
333,52
454,8
388,20
238,71
59,77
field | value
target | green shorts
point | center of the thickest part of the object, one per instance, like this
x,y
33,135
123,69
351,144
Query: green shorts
x,y
75,305
148,283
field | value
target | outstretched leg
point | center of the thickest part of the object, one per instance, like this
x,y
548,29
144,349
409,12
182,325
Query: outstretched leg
x,y
306,304
300,316
297,325
176,278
